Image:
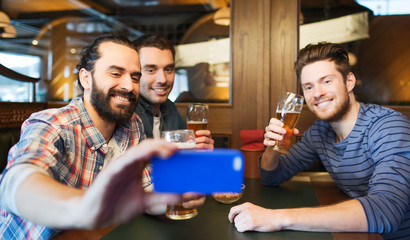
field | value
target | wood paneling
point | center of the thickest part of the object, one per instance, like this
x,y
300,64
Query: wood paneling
x,y
264,44
219,122
13,114
264,47
383,67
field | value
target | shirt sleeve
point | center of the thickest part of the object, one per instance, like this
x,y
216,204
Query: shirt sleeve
x,y
40,144
301,155
386,204
11,182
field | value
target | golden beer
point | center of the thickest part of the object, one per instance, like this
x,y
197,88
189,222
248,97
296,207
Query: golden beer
x,y
289,118
177,211
197,125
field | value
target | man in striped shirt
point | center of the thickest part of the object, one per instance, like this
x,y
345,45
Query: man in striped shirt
x,y
364,147
79,166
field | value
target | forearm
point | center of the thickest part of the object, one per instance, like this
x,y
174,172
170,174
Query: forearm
x,y
269,160
47,202
347,216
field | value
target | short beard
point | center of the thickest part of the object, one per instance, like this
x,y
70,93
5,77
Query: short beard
x,y
101,103
341,112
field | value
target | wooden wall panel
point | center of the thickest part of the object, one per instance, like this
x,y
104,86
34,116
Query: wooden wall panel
x,y
383,66
219,122
264,46
264,43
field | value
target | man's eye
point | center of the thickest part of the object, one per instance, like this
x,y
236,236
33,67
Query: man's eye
x,y
136,78
169,70
307,88
150,70
115,74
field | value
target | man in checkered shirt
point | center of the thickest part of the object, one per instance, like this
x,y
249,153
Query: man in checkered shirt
x,y
81,166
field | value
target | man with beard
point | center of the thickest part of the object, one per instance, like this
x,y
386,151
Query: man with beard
x,y
364,147
79,166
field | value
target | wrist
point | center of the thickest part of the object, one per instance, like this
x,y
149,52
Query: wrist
x,y
269,160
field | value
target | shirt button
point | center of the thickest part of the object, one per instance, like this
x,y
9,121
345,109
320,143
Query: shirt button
x,y
100,168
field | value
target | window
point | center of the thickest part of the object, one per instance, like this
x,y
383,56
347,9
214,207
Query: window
x,y
387,7
15,91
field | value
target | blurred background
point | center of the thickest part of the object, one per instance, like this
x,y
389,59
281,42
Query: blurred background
x,y
41,41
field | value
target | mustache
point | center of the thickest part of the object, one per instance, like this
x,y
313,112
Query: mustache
x,y
161,85
129,95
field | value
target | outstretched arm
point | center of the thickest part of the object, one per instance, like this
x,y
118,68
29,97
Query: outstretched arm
x,y
347,216
115,196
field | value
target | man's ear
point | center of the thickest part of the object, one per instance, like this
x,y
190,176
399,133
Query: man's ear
x,y
350,82
85,78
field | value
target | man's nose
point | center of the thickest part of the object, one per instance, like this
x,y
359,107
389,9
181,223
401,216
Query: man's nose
x,y
161,77
127,83
319,91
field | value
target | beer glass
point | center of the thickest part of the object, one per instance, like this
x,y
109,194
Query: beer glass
x,y
288,111
197,116
184,140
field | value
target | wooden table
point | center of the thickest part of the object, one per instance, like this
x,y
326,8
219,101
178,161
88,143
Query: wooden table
x,y
304,190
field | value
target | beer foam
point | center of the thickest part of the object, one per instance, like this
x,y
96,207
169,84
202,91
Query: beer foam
x,y
285,111
197,122
185,145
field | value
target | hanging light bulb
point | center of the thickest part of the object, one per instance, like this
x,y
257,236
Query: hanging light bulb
x,y
6,29
223,16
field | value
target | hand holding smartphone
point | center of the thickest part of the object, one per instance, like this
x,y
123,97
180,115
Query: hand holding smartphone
x,y
205,172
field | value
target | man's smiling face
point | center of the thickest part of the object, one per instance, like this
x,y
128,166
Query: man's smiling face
x,y
325,90
115,82
158,73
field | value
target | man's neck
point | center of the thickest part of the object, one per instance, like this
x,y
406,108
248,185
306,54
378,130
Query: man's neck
x,y
156,109
106,128
344,126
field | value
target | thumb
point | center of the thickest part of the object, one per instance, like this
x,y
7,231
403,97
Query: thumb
x,y
164,198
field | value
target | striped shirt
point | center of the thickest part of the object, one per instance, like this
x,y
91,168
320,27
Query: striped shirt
x,y
371,165
65,143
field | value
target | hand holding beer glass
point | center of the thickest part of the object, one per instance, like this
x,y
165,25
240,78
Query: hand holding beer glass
x,y
197,116
287,111
184,140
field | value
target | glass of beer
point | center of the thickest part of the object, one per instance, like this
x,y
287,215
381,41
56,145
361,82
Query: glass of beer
x,y
288,111
197,116
184,140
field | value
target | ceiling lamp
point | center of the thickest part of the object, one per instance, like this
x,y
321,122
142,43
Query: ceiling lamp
x,y
223,16
6,29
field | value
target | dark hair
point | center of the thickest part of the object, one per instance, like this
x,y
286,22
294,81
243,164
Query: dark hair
x,y
90,54
151,40
336,53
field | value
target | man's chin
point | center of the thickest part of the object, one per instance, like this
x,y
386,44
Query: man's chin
x,y
159,99
322,115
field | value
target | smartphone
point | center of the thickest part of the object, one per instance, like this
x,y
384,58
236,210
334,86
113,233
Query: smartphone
x,y
199,171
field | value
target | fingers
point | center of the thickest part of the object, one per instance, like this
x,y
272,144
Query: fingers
x,y
205,133
274,132
158,199
153,147
204,140
194,201
235,211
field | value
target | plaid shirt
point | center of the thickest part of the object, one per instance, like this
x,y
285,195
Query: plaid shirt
x,y
70,148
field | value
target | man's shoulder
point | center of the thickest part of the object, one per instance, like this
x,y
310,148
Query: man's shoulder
x,y
373,113
64,115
